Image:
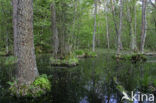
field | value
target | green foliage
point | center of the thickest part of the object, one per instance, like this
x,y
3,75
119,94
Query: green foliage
x,y
79,52
69,61
131,57
85,53
2,53
154,83
90,54
8,60
43,82
39,87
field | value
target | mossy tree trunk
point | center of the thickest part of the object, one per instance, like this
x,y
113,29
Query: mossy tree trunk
x,y
26,71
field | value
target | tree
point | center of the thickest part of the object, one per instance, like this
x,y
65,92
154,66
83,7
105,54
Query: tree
x,y
14,3
120,28
26,61
94,34
55,30
107,26
143,26
131,10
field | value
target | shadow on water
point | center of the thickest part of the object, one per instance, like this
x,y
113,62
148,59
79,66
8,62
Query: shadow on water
x,y
90,82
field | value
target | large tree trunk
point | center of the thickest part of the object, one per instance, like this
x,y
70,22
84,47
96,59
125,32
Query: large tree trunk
x,y
120,28
143,26
26,65
55,37
94,34
14,3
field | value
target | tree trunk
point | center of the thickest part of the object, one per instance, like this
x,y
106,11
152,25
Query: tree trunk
x,y
55,37
120,28
133,33
130,21
26,60
107,27
143,26
115,22
132,45
94,34
14,3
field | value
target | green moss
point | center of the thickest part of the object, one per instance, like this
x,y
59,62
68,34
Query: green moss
x,y
42,82
39,87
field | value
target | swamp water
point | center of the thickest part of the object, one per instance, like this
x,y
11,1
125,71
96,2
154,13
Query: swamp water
x,y
94,80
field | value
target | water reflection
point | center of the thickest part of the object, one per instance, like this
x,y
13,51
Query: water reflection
x,y
90,82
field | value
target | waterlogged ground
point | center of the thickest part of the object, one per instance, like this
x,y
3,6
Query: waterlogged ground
x,y
95,80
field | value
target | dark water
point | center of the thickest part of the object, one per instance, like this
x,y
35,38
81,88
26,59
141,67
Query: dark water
x,y
93,81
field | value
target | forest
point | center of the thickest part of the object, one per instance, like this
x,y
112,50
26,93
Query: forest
x,y
77,51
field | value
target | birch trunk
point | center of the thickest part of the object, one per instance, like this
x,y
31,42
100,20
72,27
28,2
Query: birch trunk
x,y
26,65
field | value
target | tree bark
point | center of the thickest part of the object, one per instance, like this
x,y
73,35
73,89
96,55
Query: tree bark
x,y
55,37
143,26
14,3
120,28
26,60
94,34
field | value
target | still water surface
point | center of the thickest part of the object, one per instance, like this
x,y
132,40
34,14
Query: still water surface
x,y
93,81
